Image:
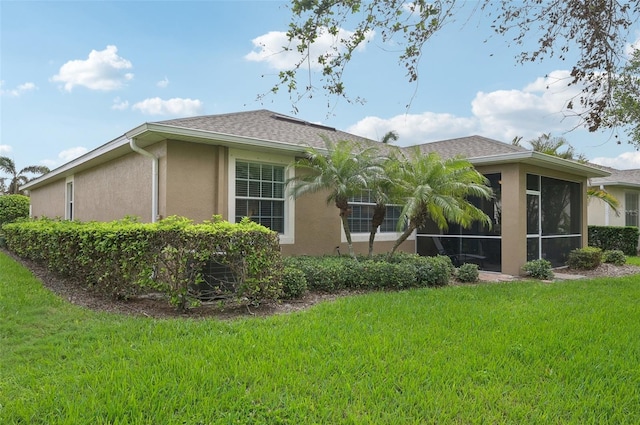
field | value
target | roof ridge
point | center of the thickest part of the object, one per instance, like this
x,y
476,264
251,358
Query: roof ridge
x,y
228,114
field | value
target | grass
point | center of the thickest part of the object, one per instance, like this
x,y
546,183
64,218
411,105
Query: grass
x,y
634,261
523,352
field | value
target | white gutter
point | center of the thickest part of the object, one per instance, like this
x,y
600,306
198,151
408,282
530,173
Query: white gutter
x,y
538,158
154,177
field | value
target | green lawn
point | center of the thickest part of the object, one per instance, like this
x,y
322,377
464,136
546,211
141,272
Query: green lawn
x,y
523,352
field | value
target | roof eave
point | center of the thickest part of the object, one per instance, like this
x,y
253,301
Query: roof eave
x,y
82,162
616,183
541,159
150,133
144,134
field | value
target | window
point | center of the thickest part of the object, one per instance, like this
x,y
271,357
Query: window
x,y
554,218
69,212
631,209
260,194
362,208
477,244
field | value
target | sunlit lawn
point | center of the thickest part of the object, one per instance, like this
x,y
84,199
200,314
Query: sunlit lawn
x,y
523,352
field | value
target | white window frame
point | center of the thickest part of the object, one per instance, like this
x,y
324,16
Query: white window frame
x,y
364,236
69,198
635,210
288,237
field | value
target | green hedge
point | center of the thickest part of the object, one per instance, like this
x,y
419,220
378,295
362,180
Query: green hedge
x,y
121,257
609,238
400,271
13,207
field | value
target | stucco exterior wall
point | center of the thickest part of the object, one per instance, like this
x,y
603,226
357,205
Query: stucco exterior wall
x,y
113,190
48,201
600,214
193,181
319,231
514,216
514,210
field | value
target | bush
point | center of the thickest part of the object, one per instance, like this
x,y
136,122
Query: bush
x,y
538,269
434,271
614,256
294,284
325,274
384,275
468,272
609,238
333,273
121,257
587,258
12,208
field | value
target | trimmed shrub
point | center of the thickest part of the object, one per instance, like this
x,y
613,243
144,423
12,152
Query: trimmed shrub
x,y
468,272
434,271
538,269
610,238
294,284
325,274
13,207
333,273
384,275
121,257
614,256
585,258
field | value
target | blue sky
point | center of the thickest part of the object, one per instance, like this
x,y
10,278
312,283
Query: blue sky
x,y
77,74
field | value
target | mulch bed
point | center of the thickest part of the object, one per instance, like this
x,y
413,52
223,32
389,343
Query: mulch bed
x,y
156,306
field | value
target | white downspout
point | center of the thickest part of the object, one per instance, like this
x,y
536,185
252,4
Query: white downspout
x,y
154,177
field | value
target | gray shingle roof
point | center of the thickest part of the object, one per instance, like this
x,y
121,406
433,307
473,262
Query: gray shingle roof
x,y
266,125
617,177
274,128
470,147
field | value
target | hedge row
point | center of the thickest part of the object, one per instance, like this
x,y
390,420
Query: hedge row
x,y
609,238
121,257
401,271
12,208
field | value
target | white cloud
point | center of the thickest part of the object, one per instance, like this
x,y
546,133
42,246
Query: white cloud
x,y
5,148
624,161
72,153
175,106
120,105
49,163
501,114
537,108
65,156
631,47
163,83
102,70
270,48
19,90
415,128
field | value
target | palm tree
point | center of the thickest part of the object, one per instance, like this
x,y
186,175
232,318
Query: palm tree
x,y
18,178
550,145
344,170
604,196
383,191
382,186
390,137
439,190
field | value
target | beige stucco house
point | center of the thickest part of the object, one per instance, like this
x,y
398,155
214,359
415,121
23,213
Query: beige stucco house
x,y
235,165
625,186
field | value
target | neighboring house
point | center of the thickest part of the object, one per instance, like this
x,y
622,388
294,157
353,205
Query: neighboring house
x,y
235,165
625,186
